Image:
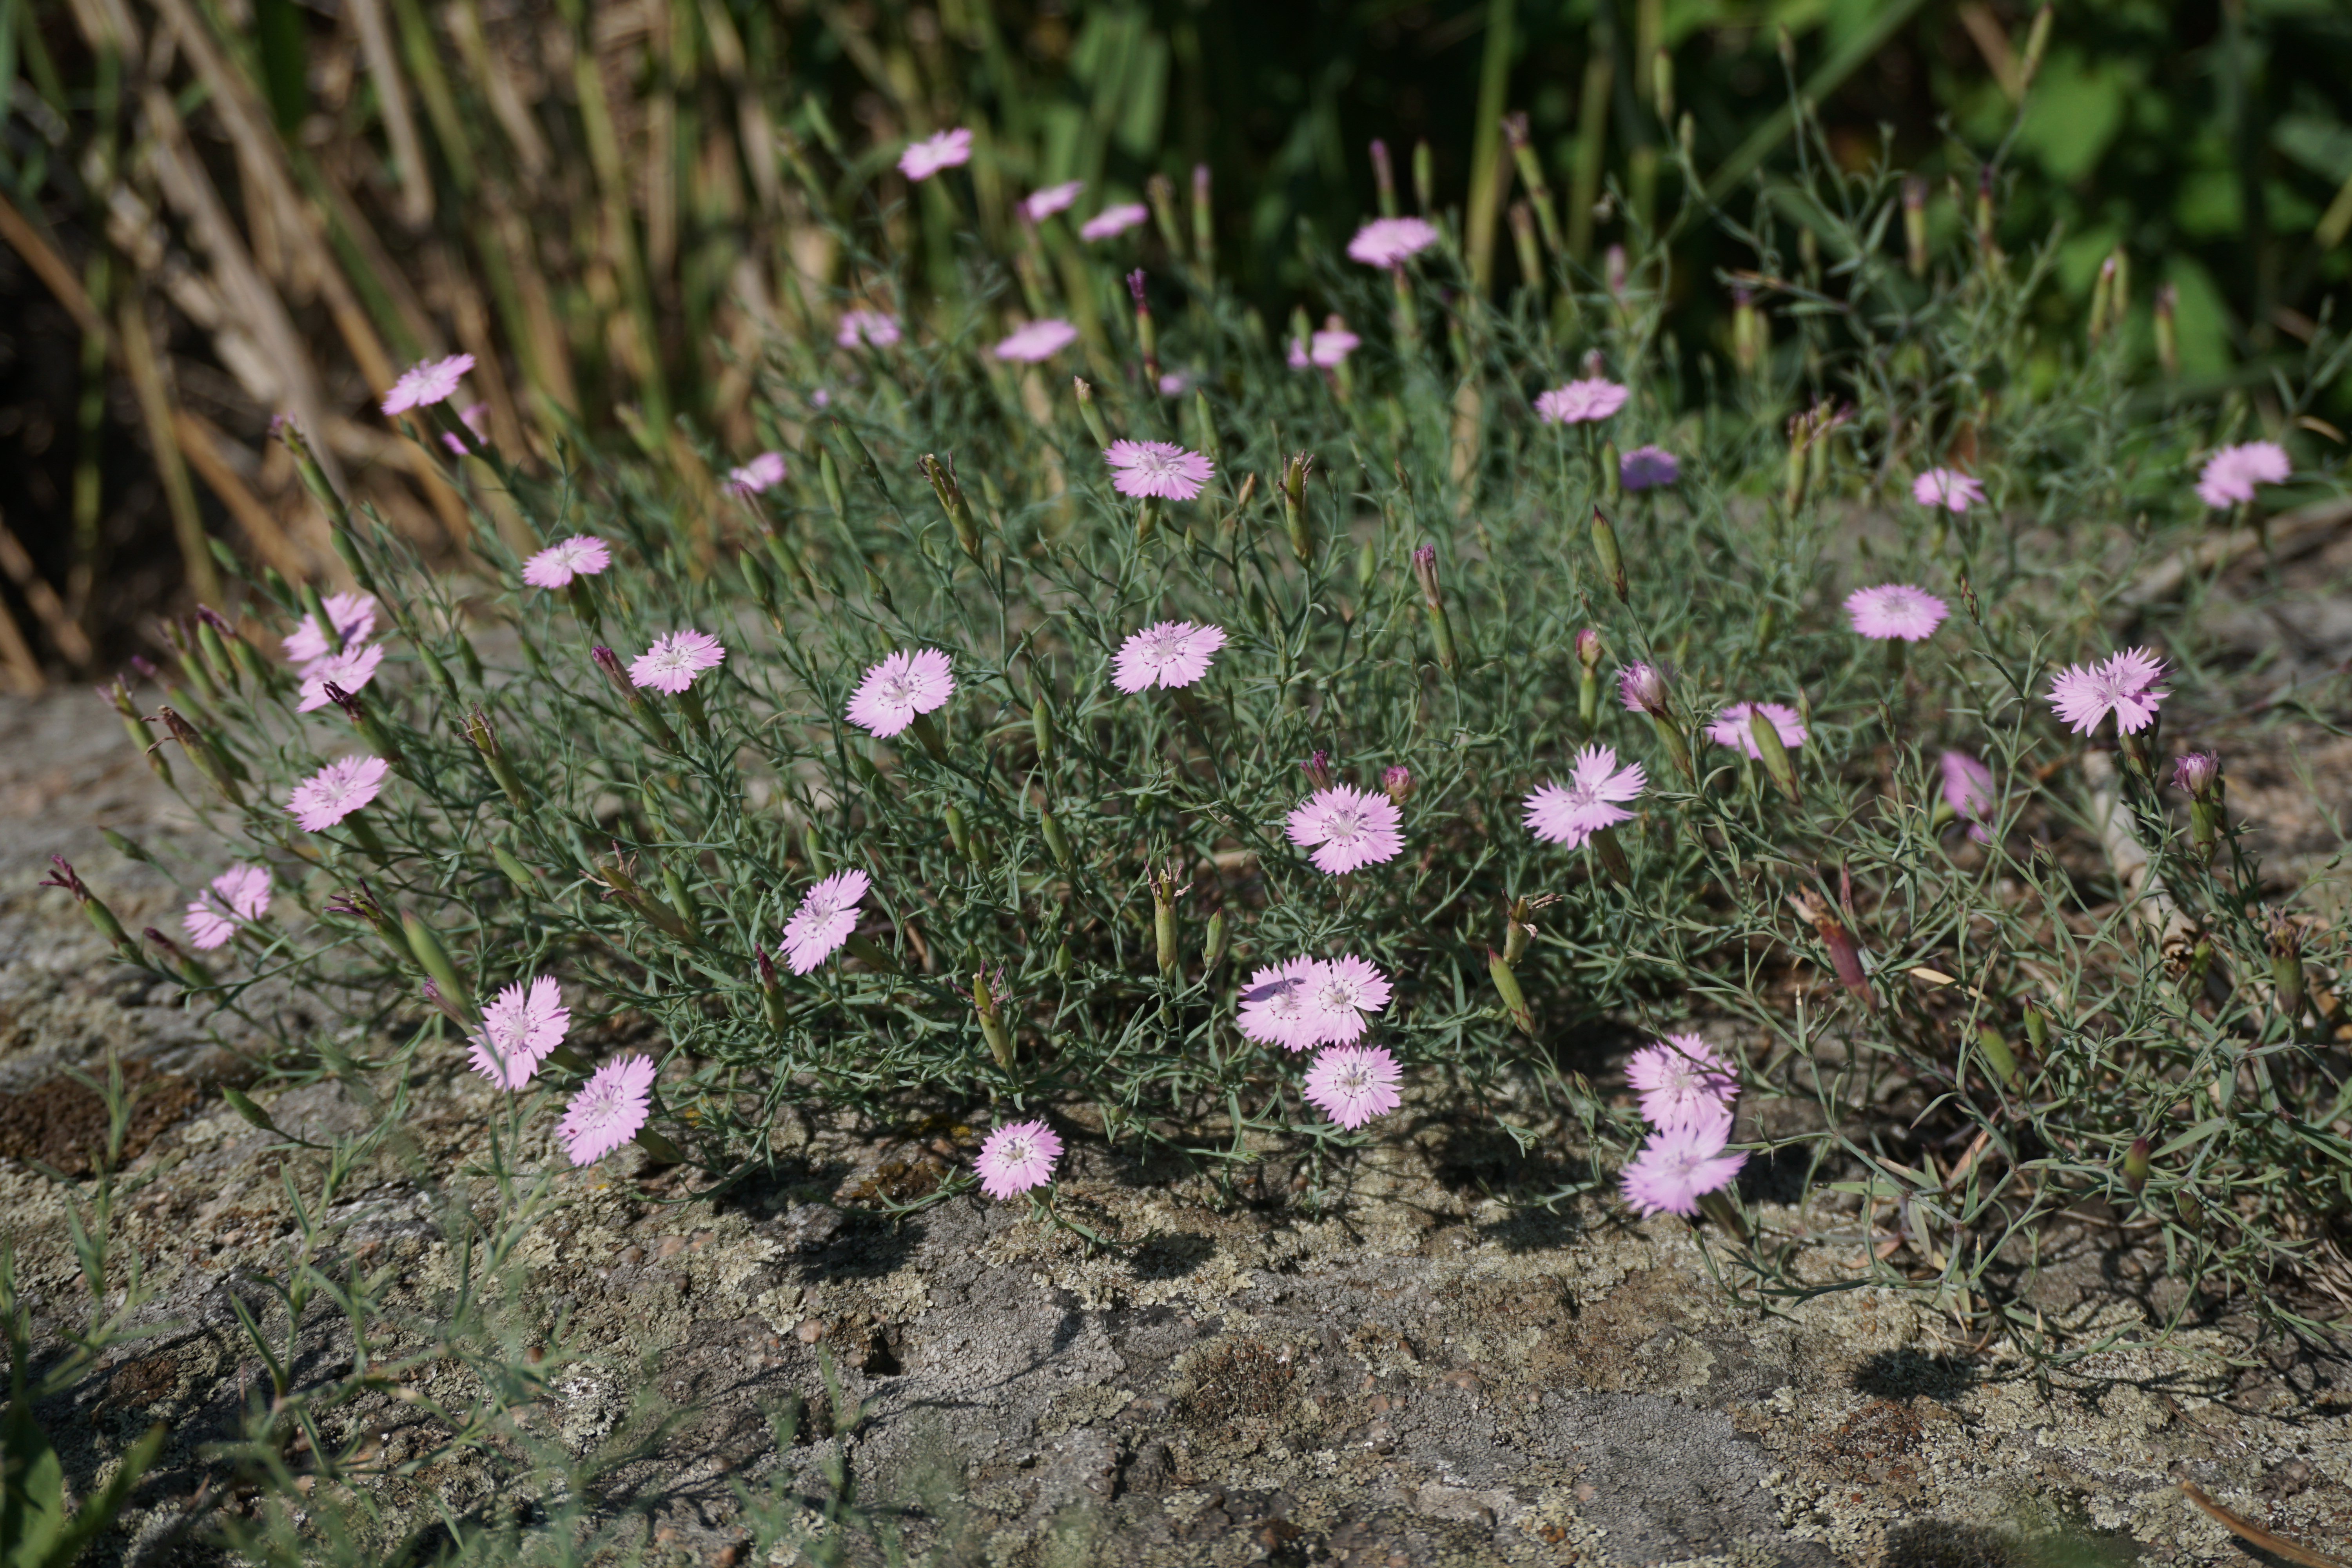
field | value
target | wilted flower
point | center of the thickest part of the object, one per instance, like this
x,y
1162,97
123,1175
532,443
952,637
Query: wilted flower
x,y
1642,687
1571,813
1947,488
927,157
1389,241
876,329
1161,469
2124,685
763,472
1352,1084
1675,1169
336,791
1340,993
1647,468
1114,220
674,661
1730,727
1173,653
2231,473
1277,1006
827,916
1353,828
425,384
1580,402
1968,790
238,895
2194,773
582,555
1037,342
899,688
1682,1082
1895,610
520,1029
353,615
609,1109
350,669
1043,204
1017,1157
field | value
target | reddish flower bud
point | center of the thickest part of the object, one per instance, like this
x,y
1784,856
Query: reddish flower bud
x,y
1397,781
1317,769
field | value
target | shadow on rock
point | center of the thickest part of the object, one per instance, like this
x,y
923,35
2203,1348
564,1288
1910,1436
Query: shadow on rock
x,y
1900,1373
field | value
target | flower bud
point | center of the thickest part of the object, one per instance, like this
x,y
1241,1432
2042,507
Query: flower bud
x,y
772,988
449,1009
200,751
1424,176
2136,1166
2198,774
192,975
1294,505
1507,985
1994,1048
1915,224
119,695
1845,954
1985,214
1057,843
1773,753
1518,930
494,757
608,661
93,908
1204,220
2168,333
1531,175
992,1021
2037,44
1749,335
1317,769
434,959
212,633
1088,412
942,479
1642,687
1396,782
1662,84
1165,886
2286,966
2103,293
370,728
1433,601
1384,178
1212,943
1146,336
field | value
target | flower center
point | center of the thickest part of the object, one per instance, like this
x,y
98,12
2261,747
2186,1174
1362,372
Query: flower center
x,y
1343,826
1017,1152
1354,1081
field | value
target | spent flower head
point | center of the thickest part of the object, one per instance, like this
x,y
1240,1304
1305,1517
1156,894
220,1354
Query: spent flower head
x,y
899,689
582,555
1347,828
1160,468
1353,1084
1018,1157
1170,654
674,660
1571,813
1895,610
336,791
609,1110
236,897
2124,685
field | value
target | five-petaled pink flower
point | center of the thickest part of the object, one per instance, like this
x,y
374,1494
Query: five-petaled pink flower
x,y
1173,653
1277,1006
520,1029
1339,992
1114,220
1682,1082
236,897
1730,727
609,1109
1326,350
827,916
876,329
1947,488
763,472
1160,468
1647,468
336,791
1676,1168
1571,813
2231,473
927,157
1968,790
1353,829
1580,402
1043,204
423,385
899,688
353,615
1017,1157
1037,342
350,669
2082,694
1352,1084
1895,610
673,662
1389,241
582,555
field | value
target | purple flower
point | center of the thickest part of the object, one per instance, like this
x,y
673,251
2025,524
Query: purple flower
x,y
1730,727
2125,685
1388,241
1017,1157
673,662
1157,468
1353,828
1647,468
350,669
1396,783
1968,790
1675,1169
1114,220
1037,342
827,916
1895,610
1352,1084
927,157
876,329
1574,812
761,473
1338,993
423,385
1172,654
2192,774
1947,488
1580,402
1682,1082
902,686
2231,473
608,1110
1276,1008
1642,687
1326,350
237,896
1043,204
582,555
520,1029
336,791
353,615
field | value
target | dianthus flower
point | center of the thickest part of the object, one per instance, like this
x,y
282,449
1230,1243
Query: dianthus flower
x,y
425,384
1571,813
1018,1157
2231,473
927,157
1326,350
1043,204
902,686
336,791
1947,488
674,661
1037,342
1161,469
1580,402
2082,694
609,1109
1968,790
520,1029
477,420
1730,727
1675,1169
1173,653
1647,468
352,670
1339,992
827,916
353,615
1389,241
1682,1082
236,897
1895,610
1113,220
582,555
1352,1084
1353,828
1276,1008
1642,688
763,472
876,329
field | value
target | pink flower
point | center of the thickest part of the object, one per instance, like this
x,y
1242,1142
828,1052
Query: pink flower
x,y
1647,468
1114,221
1895,610
876,329
1326,350
945,150
1043,204
763,472
1389,241
1355,829
1352,1084
2231,473
423,385
477,419
608,1110
673,662
1682,1082
1730,727
350,669
901,687
238,895
1572,813
1968,790
1175,382
353,615
336,791
1037,342
1017,1157
1675,1168
582,555
1642,687
1173,653
2125,685
1947,488
1338,993
1157,468
1276,1008
1580,402
827,915
520,1029
2194,773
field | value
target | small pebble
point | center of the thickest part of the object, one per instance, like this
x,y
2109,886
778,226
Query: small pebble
x,y
809,1331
